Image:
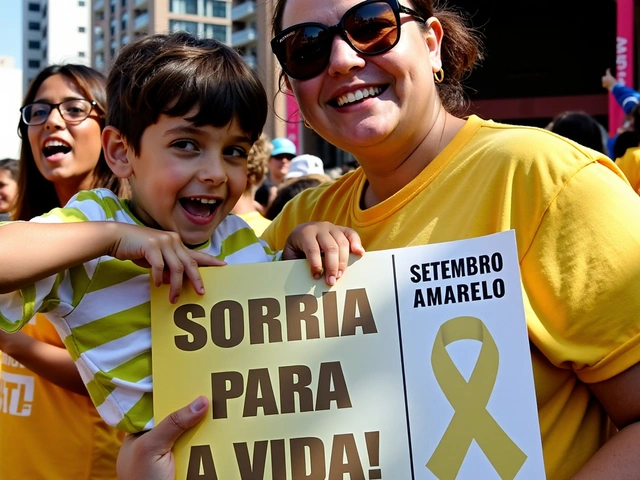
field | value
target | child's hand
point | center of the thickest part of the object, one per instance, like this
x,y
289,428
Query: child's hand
x,y
315,240
165,254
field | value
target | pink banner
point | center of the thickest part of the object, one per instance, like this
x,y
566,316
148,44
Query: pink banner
x,y
293,121
624,59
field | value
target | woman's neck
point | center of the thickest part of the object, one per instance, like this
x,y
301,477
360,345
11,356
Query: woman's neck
x,y
67,189
384,179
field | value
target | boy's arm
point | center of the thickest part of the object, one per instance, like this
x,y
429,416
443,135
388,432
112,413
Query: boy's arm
x,y
325,246
51,362
32,251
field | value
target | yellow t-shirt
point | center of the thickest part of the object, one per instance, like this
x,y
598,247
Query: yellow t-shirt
x,y
256,221
629,163
47,432
577,232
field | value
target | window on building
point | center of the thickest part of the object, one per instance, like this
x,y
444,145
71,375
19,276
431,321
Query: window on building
x,y
81,29
34,26
215,8
181,26
34,44
34,7
99,61
44,11
219,32
184,6
34,63
44,32
81,3
81,54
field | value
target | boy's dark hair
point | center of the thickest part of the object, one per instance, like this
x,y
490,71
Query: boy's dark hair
x,y
177,73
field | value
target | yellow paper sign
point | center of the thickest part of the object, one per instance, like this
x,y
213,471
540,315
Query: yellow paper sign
x,y
395,373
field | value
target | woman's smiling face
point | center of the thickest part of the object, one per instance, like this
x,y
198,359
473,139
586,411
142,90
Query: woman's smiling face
x,y
360,100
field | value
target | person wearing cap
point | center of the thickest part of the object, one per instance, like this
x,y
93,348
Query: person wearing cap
x,y
304,165
283,152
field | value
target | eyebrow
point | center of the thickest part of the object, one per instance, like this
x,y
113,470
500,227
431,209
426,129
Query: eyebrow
x,y
193,130
66,99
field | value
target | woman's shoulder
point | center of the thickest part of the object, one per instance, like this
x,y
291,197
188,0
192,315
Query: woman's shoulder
x,y
534,147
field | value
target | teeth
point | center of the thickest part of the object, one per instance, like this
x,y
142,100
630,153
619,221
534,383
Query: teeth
x,y
206,201
55,143
358,95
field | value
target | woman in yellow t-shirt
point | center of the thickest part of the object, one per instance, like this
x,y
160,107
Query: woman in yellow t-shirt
x,y
384,84
49,427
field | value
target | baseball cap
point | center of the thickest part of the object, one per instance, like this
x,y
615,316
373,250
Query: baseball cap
x,y
282,145
304,165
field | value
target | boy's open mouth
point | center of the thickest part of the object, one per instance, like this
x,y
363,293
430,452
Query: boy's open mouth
x,y
200,207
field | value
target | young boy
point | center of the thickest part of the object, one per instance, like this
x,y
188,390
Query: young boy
x,y
183,114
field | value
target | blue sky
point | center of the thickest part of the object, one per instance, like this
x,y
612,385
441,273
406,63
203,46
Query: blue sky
x,y
11,30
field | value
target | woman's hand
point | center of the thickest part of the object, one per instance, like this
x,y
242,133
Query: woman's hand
x,y
323,242
148,456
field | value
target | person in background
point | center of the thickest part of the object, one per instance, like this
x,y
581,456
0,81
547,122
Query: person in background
x,y
292,187
49,428
247,208
304,165
8,186
629,162
278,166
581,128
388,90
628,99
624,141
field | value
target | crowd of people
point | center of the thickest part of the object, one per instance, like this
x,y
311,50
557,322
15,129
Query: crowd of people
x,y
152,198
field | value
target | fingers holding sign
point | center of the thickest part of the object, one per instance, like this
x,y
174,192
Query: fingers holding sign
x,y
326,247
148,456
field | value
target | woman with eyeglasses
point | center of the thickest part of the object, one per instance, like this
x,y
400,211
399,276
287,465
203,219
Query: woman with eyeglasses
x,y
382,81
49,427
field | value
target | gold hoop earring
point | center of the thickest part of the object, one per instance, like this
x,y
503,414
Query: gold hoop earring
x,y
308,125
439,76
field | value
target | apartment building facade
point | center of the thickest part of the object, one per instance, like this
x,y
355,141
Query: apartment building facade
x,y
54,31
242,24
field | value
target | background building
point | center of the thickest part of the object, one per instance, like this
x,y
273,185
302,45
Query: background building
x,y
54,31
10,101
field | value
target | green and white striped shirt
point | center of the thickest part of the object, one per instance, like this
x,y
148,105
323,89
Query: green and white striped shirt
x,y
101,309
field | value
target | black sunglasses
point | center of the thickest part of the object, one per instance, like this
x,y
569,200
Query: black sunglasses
x,y
370,28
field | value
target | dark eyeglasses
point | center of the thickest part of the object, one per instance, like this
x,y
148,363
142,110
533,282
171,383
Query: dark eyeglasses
x,y
72,111
370,28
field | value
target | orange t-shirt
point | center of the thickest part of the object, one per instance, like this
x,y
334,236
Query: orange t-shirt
x,y
47,431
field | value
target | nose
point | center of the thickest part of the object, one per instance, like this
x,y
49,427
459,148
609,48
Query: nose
x,y
212,170
343,58
54,120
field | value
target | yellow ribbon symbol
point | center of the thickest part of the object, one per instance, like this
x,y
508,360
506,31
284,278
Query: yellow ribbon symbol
x,y
471,419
